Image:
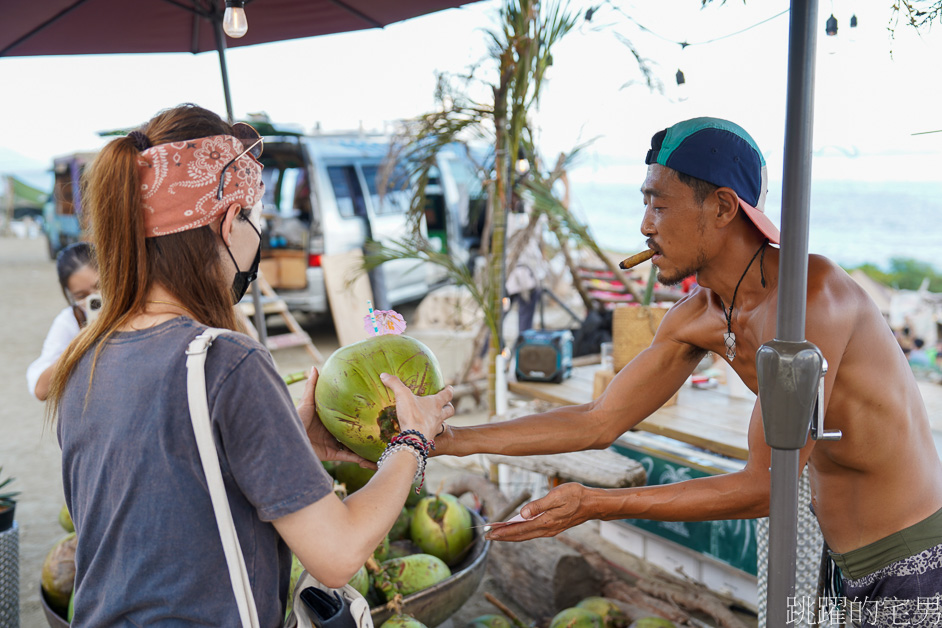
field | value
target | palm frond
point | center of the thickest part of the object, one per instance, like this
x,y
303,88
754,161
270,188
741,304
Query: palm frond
x,y
7,498
457,271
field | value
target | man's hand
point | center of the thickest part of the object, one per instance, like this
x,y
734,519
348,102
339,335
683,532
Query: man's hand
x,y
562,508
325,445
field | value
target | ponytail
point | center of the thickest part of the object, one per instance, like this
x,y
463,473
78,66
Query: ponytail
x,y
186,264
112,196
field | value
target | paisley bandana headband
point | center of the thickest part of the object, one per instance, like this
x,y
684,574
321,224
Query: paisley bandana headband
x,y
179,182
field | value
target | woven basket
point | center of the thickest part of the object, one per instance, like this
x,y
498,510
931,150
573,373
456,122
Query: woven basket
x,y
633,328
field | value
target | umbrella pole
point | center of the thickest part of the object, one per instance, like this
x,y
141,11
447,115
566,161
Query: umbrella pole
x,y
260,325
786,411
221,49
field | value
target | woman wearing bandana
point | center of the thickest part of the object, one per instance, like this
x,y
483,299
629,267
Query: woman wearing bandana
x,y
174,210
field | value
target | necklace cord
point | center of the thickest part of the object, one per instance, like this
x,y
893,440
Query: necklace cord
x,y
729,315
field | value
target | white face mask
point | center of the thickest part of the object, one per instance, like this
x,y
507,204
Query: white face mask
x,y
91,305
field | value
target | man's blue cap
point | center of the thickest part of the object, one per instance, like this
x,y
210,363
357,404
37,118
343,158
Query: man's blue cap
x,y
722,153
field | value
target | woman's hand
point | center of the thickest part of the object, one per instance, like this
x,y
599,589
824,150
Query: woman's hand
x,y
325,445
424,414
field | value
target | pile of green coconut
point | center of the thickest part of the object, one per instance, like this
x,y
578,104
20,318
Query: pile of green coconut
x,y
432,535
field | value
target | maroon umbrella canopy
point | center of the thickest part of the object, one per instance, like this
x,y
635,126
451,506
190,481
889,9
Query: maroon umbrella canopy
x,y
54,27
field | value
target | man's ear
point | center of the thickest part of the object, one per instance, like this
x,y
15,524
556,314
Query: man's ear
x,y
727,206
225,230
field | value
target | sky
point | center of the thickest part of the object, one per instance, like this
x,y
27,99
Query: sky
x,y
873,91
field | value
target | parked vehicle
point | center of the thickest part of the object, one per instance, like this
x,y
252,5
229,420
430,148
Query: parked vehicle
x,y
323,197
62,212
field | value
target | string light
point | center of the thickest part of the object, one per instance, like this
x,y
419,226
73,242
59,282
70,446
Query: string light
x,y
684,44
234,21
830,27
679,77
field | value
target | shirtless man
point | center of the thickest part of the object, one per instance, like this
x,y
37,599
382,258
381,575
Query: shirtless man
x,y
703,198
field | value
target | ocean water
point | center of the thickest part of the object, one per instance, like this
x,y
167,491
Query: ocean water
x,y
852,222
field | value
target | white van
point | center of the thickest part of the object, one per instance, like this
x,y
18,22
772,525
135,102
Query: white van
x,y
322,197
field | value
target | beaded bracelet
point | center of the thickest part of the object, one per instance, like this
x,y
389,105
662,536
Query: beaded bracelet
x,y
417,446
427,442
420,459
407,439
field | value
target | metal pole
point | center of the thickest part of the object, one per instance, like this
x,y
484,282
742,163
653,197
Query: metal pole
x,y
789,368
221,49
260,325
796,178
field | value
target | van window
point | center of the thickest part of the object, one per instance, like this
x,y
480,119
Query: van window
x,y
347,191
398,194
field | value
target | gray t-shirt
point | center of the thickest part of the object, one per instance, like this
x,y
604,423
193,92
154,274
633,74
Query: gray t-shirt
x,y
149,552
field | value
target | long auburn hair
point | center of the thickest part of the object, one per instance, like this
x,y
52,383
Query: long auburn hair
x,y
186,264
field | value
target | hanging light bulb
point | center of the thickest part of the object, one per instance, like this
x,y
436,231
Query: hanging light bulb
x,y
234,22
680,77
522,166
830,27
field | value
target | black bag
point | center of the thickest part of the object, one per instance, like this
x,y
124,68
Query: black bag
x,y
594,330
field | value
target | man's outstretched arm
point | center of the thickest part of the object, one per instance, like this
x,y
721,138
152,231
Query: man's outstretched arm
x,y
639,389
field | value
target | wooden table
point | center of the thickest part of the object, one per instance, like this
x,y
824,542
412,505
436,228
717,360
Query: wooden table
x,y
709,419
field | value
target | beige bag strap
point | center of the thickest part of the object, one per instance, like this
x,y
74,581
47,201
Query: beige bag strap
x,y
202,428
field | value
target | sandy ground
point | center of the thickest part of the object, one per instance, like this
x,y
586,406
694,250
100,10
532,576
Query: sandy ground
x,y
28,449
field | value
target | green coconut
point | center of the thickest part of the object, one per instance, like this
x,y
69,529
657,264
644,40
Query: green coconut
x,y
58,572
611,614
354,404
353,476
576,618
402,621
296,570
381,552
489,621
65,519
409,574
361,581
441,526
400,529
652,622
402,547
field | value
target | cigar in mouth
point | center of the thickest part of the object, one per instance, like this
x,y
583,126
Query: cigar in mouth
x,y
636,259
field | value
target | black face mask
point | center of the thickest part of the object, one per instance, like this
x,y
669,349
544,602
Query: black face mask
x,y
242,279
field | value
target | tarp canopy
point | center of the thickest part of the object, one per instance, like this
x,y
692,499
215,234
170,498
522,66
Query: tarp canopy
x,y
24,195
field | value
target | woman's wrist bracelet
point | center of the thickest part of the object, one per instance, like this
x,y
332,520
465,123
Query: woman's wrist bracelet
x,y
420,458
430,443
412,441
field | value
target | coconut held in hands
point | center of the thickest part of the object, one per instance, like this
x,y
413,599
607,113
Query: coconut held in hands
x,y
354,404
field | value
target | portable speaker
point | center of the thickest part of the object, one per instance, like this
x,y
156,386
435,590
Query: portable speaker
x,y
544,355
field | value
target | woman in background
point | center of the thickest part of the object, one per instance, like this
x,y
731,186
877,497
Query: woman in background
x,y
78,277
